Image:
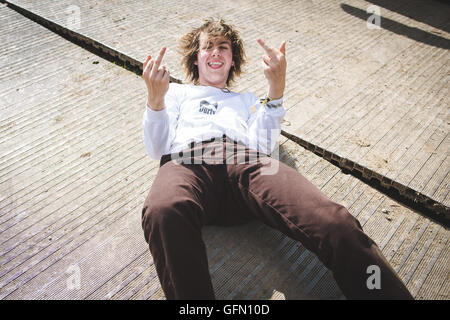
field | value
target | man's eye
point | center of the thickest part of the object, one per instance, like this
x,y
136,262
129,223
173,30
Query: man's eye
x,y
210,47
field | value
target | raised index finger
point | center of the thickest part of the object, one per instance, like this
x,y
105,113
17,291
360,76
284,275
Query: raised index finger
x,y
265,47
159,58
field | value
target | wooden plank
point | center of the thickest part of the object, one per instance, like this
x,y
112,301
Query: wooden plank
x,y
99,231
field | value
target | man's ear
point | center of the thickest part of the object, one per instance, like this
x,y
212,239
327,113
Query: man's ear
x,y
196,62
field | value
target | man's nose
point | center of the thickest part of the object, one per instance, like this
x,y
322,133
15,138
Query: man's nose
x,y
216,52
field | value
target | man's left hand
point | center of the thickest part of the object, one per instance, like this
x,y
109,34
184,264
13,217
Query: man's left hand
x,y
274,64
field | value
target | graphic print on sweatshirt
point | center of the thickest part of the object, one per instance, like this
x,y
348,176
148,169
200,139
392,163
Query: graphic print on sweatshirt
x,y
207,107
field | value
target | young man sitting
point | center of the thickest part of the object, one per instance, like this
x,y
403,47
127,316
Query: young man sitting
x,y
214,145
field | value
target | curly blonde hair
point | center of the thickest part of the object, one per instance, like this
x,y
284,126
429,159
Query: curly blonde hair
x,y
189,47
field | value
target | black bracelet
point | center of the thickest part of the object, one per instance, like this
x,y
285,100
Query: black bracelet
x,y
263,101
270,104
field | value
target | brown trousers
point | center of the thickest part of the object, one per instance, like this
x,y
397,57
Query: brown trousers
x,y
184,197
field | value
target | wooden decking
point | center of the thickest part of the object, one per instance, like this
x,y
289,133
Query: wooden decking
x,y
74,174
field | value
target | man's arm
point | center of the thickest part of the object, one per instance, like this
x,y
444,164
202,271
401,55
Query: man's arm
x,y
161,111
274,64
265,119
157,81
264,124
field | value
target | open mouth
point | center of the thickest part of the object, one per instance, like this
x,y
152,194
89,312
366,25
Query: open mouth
x,y
215,65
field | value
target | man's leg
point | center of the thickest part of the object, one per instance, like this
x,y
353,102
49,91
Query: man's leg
x,y
172,217
290,203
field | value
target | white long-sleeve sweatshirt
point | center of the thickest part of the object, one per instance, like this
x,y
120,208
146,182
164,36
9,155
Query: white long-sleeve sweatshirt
x,y
198,113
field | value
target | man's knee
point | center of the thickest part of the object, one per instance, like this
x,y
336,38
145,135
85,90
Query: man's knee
x,y
345,232
343,221
161,217
339,229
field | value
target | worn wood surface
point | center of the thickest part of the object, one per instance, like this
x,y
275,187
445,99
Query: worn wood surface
x,y
74,174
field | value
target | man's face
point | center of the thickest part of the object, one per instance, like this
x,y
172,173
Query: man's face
x,y
214,60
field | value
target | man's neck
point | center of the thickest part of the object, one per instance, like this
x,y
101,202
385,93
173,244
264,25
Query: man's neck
x,y
218,86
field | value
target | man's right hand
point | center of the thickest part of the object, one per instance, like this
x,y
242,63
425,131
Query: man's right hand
x,y
157,80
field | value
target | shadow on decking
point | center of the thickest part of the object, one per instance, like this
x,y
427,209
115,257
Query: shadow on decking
x,y
421,13
404,30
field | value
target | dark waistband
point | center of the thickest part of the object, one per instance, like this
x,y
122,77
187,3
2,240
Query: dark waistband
x,y
196,149
224,138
